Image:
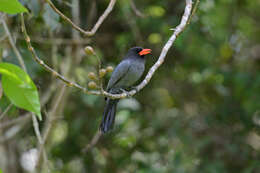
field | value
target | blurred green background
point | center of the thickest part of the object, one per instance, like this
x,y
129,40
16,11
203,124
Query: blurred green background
x,y
199,114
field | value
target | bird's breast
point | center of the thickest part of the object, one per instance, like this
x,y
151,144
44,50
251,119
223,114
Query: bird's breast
x,y
133,74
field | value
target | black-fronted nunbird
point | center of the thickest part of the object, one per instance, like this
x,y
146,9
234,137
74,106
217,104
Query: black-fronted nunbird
x,y
126,73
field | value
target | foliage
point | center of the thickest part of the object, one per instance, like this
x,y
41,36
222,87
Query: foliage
x,y
12,7
19,88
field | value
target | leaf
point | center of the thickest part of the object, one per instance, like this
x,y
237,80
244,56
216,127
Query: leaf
x,y
19,88
12,7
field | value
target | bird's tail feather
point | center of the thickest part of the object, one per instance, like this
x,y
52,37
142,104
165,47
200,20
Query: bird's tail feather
x,y
108,116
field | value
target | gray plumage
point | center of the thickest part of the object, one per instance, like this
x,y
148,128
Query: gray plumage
x,y
126,73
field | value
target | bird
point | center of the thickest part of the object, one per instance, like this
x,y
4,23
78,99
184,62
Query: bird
x,y
126,73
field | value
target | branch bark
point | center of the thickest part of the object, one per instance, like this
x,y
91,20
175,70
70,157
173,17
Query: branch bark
x,y
16,51
93,142
135,9
5,111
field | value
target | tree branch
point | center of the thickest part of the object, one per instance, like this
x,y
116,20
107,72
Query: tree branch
x,y
40,140
5,111
17,53
93,142
49,126
20,119
96,26
179,29
135,9
194,10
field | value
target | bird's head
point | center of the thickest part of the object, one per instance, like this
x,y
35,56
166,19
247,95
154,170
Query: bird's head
x,y
138,51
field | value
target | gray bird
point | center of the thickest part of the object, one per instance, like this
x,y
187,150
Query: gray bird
x,y
126,73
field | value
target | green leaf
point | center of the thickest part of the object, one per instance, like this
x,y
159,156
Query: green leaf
x,y
12,7
19,88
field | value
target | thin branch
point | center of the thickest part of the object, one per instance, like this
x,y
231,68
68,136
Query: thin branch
x,y
17,53
49,125
179,29
3,37
93,141
75,15
5,111
36,127
135,9
195,7
96,26
98,68
39,137
40,140
12,132
20,119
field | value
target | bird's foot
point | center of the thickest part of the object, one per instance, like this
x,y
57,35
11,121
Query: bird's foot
x,y
134,88
124,91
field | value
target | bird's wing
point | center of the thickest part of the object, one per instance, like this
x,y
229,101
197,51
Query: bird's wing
x,y
119,72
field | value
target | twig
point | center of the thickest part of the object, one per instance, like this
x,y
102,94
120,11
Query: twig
x,y
75,17
2,15
39,137
40,140
135,9
96,26
17,53
36,126
5,111
195,7
20,119
93,141
3,37
179,29
49,125
12,132
53,110
98,68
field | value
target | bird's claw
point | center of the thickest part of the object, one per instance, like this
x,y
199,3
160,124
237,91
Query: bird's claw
x,y
124,91
134,88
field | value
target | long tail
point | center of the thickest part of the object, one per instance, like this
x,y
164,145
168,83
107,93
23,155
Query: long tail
x,y
108,116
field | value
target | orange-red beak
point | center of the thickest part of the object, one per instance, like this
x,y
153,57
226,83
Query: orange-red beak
x,y
145,52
